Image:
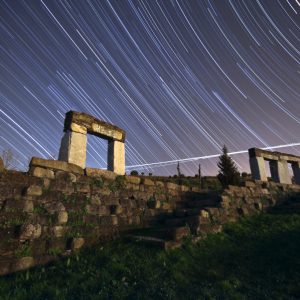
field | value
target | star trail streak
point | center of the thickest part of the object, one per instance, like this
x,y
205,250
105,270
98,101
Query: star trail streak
x,y
183,78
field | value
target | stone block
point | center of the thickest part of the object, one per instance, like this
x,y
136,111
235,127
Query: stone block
x,y
109,220
30,232
116,157
83,188
196,189
66,176
73,148
133,179
34,190
28,206
103,210
58,231
41,172
160,183
62,217
23,263
56,165
148,181
93,172
77,243
78,128
184,188
53,207
172,186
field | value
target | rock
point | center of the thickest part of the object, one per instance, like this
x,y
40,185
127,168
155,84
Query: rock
x,y
77,243
65,176
133,179
93,172
30,232
54,207
62,217
148,181
23,263
41,172
58,231
28,206
56,165
160,183
172,186
34,190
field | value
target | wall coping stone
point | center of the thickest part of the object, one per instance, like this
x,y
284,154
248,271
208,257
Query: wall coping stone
x,y
56,165
94,172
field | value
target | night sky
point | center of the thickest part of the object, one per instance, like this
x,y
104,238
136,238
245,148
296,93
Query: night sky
x,y
183,78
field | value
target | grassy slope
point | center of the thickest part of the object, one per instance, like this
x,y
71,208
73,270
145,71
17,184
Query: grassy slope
x,y
257,258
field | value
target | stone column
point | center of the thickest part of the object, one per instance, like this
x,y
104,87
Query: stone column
x,y
116,157
296,171
281,171
73,148
258,168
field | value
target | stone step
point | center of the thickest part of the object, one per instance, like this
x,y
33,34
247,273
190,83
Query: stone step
x,y
156,242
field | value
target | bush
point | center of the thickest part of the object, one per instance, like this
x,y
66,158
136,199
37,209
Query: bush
x,y
134,173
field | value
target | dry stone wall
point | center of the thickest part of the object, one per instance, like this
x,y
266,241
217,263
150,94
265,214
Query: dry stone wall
x,y
58,207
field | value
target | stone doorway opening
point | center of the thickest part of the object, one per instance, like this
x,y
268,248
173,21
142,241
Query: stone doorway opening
x,y
74,142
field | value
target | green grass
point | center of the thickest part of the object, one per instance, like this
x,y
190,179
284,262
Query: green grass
x,y
257,258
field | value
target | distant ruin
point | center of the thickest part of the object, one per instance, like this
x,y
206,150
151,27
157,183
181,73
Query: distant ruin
x,y
278,165
74,142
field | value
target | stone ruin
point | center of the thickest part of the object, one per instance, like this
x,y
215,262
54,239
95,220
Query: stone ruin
x,y
74,142
278,165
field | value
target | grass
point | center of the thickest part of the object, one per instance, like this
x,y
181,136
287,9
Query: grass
x,y
256,258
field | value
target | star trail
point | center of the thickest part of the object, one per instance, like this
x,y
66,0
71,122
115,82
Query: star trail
x,y
183,78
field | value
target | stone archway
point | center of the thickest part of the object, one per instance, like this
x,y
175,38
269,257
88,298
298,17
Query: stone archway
x,y
73,144
278,165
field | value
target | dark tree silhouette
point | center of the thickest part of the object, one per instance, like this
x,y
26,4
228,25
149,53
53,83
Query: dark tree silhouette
x,y
228,173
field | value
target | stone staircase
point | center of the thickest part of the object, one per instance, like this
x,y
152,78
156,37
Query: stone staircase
x,y
190,218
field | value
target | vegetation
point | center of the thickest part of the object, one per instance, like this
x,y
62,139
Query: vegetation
x,y
134,173
228,173
257,258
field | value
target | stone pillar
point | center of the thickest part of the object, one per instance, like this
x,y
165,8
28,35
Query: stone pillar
x,y
281,171
296,171
116,157
258,168
73,148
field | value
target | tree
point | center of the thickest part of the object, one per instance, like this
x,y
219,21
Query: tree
x,y
200,175
228,173
134,173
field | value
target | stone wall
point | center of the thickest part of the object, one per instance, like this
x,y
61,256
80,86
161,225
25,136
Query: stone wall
x,y
57,207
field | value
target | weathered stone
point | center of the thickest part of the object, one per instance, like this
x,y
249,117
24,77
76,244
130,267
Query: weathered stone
x,y
58,231
103,210
133,179
77,243
28,206
83,188
34,190
54,207
93,172
196,189
185,188
116,157
73,148
30,232
62,217
148,181
42,172
46,183
62,175
56,165
109,220
78,128
23,263
160,183
172,186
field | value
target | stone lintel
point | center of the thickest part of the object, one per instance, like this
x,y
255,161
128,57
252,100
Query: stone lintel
x,y
270,155
85,123
55,165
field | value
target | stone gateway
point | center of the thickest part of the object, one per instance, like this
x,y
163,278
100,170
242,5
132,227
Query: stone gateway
x,y
73,144
278,165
